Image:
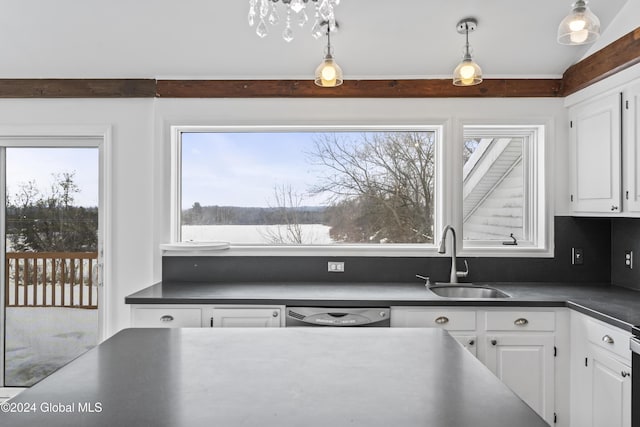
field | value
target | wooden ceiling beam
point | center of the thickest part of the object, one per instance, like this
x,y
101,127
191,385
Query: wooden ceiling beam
x,y
418,88
613,58
77,88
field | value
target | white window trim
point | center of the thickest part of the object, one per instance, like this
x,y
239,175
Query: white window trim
x,y
447,156
383,250
537,213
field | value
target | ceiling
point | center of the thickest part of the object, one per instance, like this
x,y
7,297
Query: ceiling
x,y
210,39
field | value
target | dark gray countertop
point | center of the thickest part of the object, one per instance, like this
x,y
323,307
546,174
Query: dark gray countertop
x,y
615,305
275,377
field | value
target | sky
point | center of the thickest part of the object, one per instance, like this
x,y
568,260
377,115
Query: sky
x,y
41,164
242,169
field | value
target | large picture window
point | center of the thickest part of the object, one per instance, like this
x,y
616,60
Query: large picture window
x,y
366,191
357,187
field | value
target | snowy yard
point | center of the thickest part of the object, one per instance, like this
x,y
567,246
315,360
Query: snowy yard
x,y
39,340
253,234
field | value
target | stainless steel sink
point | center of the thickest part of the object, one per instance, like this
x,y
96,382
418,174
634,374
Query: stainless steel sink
x,y
460,290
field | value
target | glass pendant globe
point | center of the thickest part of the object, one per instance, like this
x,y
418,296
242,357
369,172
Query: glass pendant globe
x,y
581,26
467,73
328,73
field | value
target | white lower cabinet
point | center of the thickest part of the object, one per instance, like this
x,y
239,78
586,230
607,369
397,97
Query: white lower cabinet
x,y
219,317
520,350
461,323
518,346
166,317
525,363
601,374
197,316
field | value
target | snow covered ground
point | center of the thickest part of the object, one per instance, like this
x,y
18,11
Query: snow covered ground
x,y
253,234
39,340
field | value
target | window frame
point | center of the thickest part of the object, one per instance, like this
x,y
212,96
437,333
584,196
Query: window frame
x,y
536,218
343,249
447,209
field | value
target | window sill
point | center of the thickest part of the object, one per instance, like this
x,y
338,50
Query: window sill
x,y
364,251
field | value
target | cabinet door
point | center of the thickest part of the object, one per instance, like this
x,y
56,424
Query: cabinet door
x,y
525,364
596,145
467,341
243,317
631,141
609,389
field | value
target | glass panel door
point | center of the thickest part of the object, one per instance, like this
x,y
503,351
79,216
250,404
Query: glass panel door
x,y
51,259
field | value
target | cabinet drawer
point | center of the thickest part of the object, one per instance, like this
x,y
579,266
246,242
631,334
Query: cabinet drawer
x,y
166,318
612,339
451,320
521,321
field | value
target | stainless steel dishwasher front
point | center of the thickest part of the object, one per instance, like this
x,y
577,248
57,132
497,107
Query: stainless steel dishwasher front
x,y
340,317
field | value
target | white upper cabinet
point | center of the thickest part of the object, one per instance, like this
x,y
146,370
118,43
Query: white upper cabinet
x,y
605,153
596,146
631,147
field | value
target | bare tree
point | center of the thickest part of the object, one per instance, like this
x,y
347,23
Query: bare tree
x,y
381,186
288,228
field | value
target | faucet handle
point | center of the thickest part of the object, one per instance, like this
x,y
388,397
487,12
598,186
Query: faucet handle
x,y
427,281
464,273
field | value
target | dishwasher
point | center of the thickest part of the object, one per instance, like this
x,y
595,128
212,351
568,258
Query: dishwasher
x,y
340,317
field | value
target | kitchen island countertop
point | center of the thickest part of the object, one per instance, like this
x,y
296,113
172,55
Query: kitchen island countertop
x,y
273,377
615,305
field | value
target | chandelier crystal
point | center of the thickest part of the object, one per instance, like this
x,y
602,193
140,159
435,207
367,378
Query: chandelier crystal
x,y
263,12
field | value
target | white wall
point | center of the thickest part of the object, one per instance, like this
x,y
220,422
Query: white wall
x,y
129,242
140,176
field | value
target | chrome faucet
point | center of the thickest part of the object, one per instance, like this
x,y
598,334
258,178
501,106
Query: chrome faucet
x,y
443,248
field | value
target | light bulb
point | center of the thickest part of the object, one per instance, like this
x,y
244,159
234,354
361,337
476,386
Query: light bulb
x,y
467,72
329,72
579,37
577,24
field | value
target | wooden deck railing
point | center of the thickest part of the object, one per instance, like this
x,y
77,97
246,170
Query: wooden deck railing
x,y
51,279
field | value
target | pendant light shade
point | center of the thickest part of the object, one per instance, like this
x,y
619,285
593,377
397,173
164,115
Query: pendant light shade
x,y
581,26
468,72
328,73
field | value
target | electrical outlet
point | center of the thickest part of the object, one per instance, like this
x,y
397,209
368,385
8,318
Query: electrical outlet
x,y
335,266
628,259
577,256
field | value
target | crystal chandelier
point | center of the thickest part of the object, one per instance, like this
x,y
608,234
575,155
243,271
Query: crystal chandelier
x,y
262,12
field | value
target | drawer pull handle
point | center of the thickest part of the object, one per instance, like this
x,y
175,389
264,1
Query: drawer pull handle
x,y
607,339
166,318
442,320
275,313
625,374
471,342
521,321
494,342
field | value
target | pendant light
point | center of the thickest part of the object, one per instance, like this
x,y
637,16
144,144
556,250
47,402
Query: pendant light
x,y
328,73
467,73
581,26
